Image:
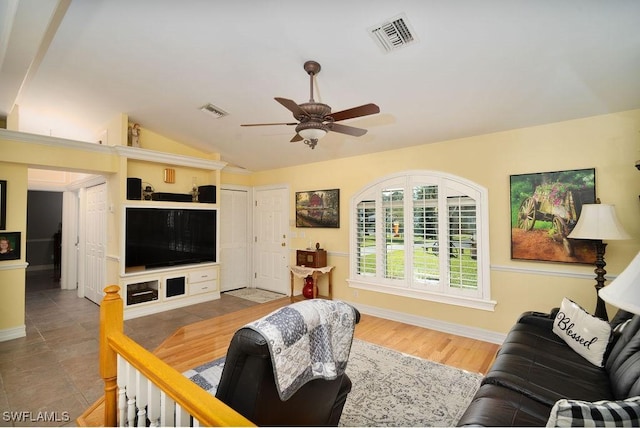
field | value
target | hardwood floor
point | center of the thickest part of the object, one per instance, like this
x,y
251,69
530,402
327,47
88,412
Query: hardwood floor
x,y
206,340
203,341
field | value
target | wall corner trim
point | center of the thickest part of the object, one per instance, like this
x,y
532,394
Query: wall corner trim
x,y
13,333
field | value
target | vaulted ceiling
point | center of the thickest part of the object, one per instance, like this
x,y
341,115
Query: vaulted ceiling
x,y
473,67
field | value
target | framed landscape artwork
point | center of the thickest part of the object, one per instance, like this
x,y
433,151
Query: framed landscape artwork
x,y
318,208
9,245
545,208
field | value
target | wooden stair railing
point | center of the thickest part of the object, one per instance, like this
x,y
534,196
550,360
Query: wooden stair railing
x,y
138,385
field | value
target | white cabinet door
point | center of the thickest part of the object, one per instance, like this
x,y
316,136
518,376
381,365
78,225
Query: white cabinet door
x,y
234,240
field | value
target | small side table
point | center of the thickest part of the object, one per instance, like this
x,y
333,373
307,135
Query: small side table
x,y
315,273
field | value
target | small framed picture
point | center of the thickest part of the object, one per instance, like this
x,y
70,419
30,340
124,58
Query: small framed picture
x,y
3,204
9,246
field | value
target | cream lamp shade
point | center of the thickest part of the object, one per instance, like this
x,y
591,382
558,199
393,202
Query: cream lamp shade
x,y
624,291
598,221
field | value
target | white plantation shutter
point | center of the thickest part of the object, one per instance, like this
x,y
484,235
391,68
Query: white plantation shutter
x,y
422,234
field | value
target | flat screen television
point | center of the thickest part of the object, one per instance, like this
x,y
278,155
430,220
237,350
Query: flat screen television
x,y
162,237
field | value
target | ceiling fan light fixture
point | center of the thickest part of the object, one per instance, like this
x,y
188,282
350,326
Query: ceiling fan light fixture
x,y
312,133
312,130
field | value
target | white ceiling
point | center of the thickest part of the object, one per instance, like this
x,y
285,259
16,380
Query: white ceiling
x,y
477,67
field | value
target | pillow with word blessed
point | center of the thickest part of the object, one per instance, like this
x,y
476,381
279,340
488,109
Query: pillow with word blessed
x,y
584,333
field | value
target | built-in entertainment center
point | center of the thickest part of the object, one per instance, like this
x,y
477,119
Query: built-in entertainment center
x,y
169,251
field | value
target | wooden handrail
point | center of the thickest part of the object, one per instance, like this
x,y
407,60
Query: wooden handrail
x,y
193,399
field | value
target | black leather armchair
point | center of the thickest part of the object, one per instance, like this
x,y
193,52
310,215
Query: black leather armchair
x,y
247,385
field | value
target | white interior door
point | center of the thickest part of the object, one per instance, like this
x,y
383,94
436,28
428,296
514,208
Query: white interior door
x,y
234,239
271,241
94,240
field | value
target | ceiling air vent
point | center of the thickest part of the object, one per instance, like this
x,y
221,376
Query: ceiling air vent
x,y
393,33
213,110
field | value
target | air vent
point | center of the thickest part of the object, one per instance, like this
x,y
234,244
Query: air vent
x,y
393,34
213,110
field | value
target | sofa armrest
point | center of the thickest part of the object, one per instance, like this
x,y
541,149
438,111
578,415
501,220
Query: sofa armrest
x,y
541,319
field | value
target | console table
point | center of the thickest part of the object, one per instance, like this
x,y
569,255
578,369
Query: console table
x,y
315,273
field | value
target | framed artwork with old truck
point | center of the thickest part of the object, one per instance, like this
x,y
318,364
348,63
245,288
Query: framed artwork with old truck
x,y
545,207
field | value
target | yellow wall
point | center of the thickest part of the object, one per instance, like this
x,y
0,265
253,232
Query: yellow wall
x,y
12,272
610,143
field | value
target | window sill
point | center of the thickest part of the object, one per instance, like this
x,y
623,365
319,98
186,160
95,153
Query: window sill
x,y
468,302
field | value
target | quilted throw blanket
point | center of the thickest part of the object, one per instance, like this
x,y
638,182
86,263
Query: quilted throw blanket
x,y
308,340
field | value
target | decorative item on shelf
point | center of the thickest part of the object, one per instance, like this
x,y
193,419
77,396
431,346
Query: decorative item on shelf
x,y
309,288
169,175
194,190
317,258
623,292
147,191
598,222
133,136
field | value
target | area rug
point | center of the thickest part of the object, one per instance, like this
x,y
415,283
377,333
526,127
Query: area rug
x,y
389,388
255,294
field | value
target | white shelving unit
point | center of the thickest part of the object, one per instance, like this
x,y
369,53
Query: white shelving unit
x,y
151,291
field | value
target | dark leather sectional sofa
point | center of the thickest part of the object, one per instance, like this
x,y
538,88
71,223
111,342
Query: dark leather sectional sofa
x,y
534,368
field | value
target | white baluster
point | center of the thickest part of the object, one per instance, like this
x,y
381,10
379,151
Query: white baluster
x,y
167,411
153,410
183,419
131,395
141,399
122,391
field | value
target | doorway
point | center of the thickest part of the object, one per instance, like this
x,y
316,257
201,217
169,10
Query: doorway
x,y
44,240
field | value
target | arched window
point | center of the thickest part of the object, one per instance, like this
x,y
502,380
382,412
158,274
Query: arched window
x,y
422,234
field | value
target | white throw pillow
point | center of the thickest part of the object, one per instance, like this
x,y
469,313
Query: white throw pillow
x,y
584,333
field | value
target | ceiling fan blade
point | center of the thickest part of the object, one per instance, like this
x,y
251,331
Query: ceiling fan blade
x,y
291,105
349,130
363,110
296,138
268,124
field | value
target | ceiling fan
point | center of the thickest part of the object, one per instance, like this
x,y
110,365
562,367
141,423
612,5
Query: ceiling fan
x,y
315,119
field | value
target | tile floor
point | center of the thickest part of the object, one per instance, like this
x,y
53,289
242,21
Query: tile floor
x,y
52,373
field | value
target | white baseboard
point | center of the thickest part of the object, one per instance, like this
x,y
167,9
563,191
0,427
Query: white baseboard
x,y
433,324
13,333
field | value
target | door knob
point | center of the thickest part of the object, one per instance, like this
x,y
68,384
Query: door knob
x,y
283,244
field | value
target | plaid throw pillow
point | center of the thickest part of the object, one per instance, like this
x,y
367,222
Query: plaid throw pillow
x,y
576,413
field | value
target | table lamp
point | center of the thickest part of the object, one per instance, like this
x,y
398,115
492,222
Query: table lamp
x,y
624,291
598,222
